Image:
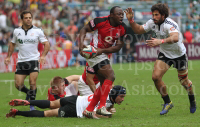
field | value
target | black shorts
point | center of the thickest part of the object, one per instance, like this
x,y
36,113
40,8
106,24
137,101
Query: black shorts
x,y
180,63
25,68
68,106
100,65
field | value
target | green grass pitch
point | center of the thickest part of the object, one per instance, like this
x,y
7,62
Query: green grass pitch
x,y
141,106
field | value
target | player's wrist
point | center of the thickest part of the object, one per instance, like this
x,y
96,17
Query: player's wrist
x,y
162,41
131,20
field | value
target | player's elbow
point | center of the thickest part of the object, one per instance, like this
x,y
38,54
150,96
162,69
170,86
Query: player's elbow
x,y
175,39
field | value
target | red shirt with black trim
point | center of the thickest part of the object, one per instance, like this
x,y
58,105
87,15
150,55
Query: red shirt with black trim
x,y
53,97
91,71
105,35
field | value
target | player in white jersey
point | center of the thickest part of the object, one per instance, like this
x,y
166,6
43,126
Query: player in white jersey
x,y
72,106
26,38
172,51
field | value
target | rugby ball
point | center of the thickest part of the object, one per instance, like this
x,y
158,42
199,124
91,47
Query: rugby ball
x,y
89,52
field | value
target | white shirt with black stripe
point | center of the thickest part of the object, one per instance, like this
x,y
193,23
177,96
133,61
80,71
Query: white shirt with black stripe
x,y
173,50
27,42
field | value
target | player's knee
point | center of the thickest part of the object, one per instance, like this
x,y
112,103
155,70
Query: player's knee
x,y
18,85
111,77
32,82
156,78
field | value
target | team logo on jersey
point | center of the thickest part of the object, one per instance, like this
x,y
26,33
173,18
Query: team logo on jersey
x,y
92,23
108,39
32,34
172,28
18,34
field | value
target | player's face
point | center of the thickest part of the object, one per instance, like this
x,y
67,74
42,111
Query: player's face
x,y
157,17
27,19
61,88
118,15
119,99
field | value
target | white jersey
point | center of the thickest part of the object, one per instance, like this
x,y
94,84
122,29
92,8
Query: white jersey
x,y
173,50
27,42
83,101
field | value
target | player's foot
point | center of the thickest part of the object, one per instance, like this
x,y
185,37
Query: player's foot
x,y
193,107
89,114
11,113
17,102
166,108
103,111
32,108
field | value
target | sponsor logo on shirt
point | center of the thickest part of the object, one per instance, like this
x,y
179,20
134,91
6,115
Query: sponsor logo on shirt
x,y
18,34
32,34
172,28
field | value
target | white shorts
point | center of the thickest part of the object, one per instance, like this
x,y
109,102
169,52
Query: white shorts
x,y
97,59
70,90
84,89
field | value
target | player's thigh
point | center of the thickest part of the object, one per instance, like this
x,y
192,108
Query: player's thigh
x,y
160,68
106,71
33,77
101,78
55,104
51,113
19,79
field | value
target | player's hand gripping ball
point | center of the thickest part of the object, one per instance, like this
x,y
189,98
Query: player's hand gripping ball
x,y
89,52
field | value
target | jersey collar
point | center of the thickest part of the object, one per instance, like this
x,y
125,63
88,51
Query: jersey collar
x,y
27,29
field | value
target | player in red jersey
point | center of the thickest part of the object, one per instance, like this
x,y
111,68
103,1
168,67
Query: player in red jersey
x,y
62,87
107,31
88,82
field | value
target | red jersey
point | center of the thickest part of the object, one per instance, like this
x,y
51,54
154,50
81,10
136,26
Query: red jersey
x,y
91,71
105,35
53,97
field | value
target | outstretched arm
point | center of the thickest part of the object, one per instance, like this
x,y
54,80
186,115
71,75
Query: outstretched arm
x,y
138,29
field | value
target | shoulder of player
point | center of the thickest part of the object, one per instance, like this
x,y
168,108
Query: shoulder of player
x,y
37,28
170,22
101,19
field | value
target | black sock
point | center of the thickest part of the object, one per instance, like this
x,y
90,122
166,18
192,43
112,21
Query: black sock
x,y
32,94
24,89
191,98
40,103
34,113
166,99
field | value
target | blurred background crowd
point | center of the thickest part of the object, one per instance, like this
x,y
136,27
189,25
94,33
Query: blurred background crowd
x,y
62,20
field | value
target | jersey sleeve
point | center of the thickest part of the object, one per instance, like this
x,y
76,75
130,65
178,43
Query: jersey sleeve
x,y
170,28
95,23
14,39
42,37
147,25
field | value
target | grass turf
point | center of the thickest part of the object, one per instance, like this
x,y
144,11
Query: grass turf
x,y
141,106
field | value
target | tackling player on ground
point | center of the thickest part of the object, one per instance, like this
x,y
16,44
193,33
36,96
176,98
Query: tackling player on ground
x,y
172,51
72,106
